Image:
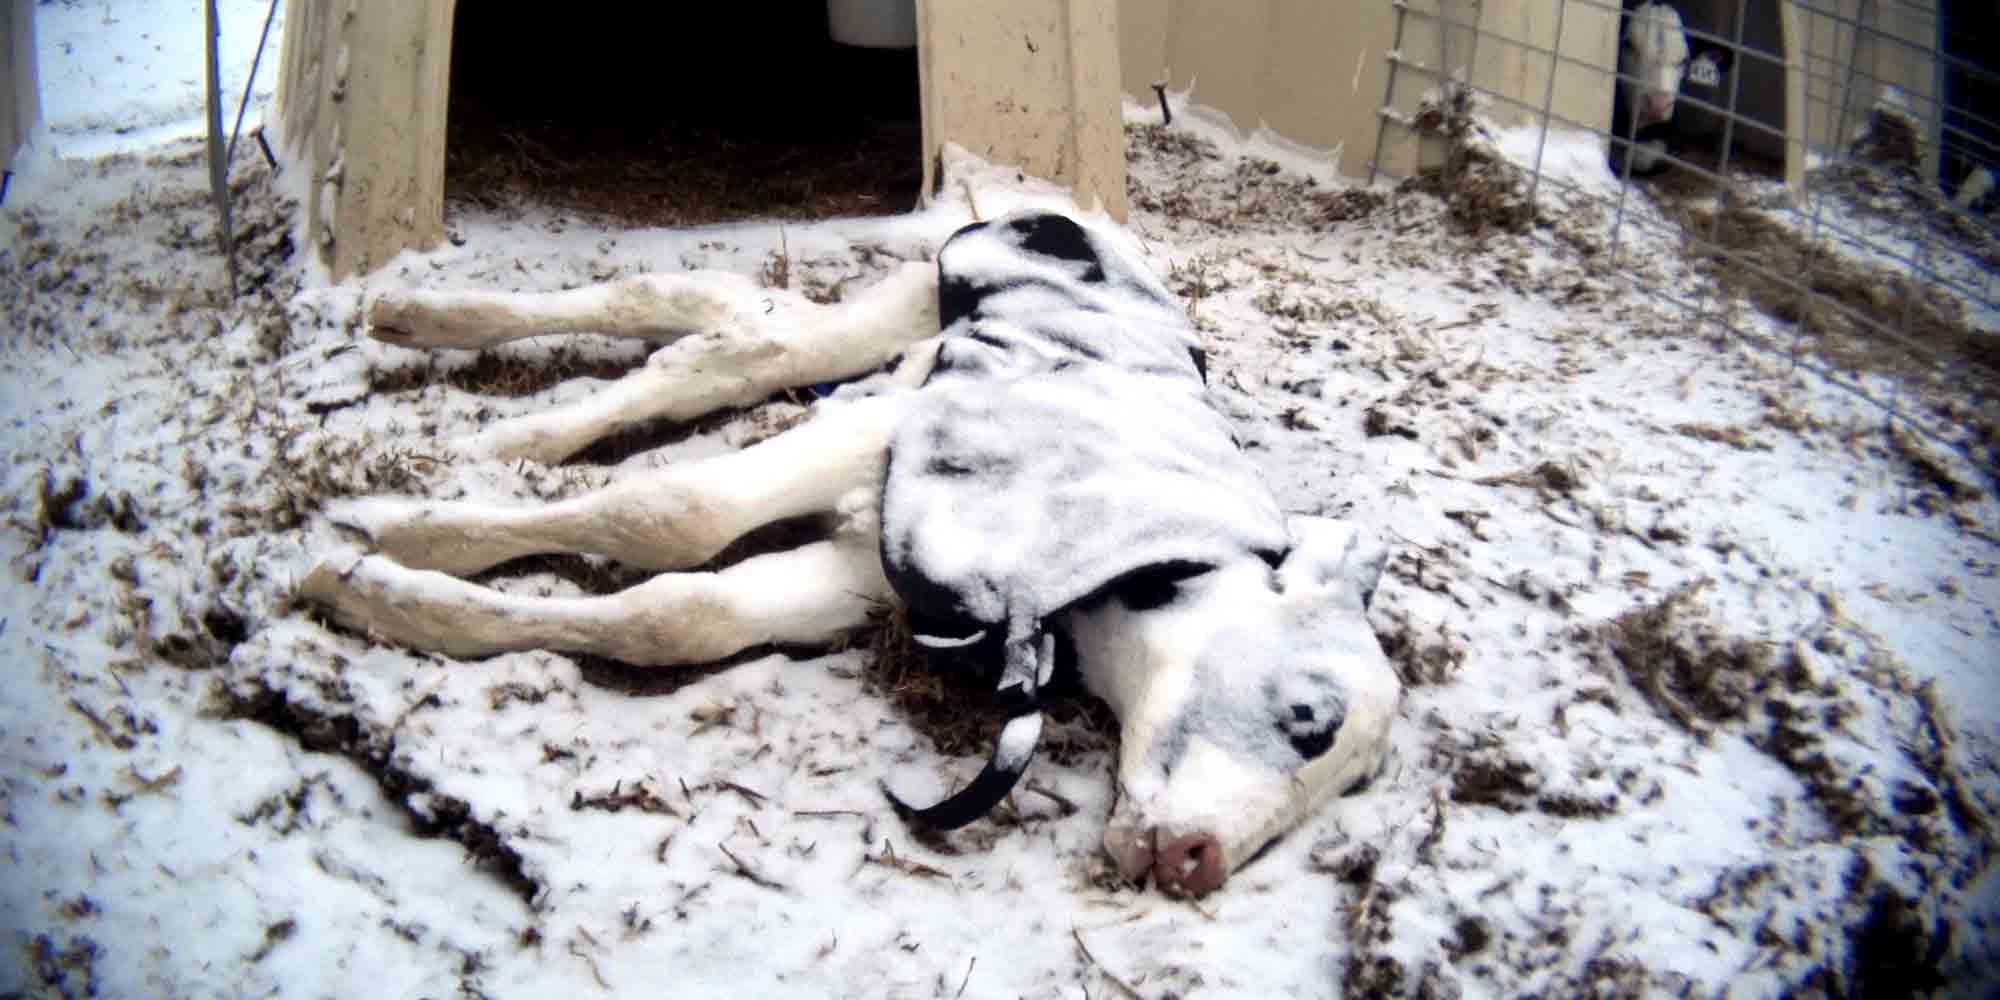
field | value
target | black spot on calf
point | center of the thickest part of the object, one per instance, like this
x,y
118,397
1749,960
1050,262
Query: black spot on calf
x,y
1059,237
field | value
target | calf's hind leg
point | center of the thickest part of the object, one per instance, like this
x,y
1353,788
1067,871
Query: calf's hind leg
x,y
673,518
678,517
809,596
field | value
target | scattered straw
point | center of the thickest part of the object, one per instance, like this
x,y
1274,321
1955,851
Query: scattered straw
x,y
744,871
1685,668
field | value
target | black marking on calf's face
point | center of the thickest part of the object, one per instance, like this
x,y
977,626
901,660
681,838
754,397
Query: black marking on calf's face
x,y
1263,724
1310,737
1310,711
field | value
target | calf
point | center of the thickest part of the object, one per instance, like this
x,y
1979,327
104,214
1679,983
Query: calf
x,y
1038,480
1655,59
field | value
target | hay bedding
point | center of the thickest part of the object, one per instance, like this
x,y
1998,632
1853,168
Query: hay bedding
x,y
679,116
1610,776
674,174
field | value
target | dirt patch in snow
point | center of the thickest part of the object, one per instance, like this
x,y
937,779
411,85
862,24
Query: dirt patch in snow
x,y
1692,674
1861,318
374,751
1884,178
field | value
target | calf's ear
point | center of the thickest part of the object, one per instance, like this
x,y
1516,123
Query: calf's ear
x,y
1327,552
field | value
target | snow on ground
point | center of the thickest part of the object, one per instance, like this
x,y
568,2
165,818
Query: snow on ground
x,y
127,75
1701,667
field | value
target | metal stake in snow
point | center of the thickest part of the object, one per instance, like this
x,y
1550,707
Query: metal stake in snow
x,y
218,168
249,88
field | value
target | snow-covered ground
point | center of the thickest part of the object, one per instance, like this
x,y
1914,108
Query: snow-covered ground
x,y
1702,662
121,75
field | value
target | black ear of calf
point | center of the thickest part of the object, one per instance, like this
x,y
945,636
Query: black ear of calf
x,y
995,780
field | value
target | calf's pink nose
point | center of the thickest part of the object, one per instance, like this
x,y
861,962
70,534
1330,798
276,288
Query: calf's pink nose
x,y
1656,108
1190,863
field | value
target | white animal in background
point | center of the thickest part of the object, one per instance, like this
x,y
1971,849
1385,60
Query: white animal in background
x,y
1035,475
1655,60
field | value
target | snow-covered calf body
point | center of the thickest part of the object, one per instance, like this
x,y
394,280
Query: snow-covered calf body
x,y
1038,480
1655,59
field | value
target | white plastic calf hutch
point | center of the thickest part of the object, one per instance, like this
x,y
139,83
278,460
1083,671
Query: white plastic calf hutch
x,y
365,86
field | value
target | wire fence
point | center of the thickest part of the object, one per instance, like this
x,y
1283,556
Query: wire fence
x,y
1836,176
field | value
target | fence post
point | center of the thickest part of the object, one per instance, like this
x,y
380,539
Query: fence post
x,y
1388,91
218,167
1548,104
1722,163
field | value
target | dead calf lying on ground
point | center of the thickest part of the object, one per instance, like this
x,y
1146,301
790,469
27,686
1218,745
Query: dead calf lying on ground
x,y
1034,474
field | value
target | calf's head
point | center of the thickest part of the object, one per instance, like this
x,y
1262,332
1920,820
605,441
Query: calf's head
x,y
1652,61
1248,695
